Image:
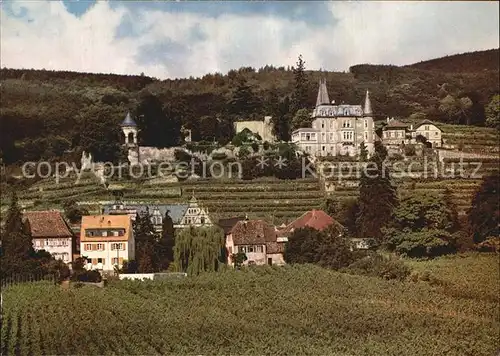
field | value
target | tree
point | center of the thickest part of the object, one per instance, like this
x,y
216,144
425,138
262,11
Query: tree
x,y
423,225
100,134
159,126
301,119
457,110
484,214
167,242
377,199
199,249
281,120
73,212
300,92
239,258
243,101
492,111
328,248
363,152
331,207
302,246
145,243
17,245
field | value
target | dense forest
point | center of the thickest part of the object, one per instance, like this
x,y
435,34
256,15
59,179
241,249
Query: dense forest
x,y
47,114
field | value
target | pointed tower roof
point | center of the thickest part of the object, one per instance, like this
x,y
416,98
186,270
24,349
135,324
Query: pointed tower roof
x,y
368,105
128,121
322,93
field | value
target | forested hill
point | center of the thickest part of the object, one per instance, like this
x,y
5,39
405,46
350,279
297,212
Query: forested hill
x,y
463,63
45,113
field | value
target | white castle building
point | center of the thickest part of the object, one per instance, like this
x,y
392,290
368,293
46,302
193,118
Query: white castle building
x,y
337,129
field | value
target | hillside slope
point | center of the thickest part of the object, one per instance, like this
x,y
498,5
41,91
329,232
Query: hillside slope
x,y
463,63
44,113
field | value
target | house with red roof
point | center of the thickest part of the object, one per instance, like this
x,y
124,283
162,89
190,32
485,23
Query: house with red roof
x,y
316,219
51,233
258,240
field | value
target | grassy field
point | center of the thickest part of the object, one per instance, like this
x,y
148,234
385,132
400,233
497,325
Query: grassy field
x,y
293,310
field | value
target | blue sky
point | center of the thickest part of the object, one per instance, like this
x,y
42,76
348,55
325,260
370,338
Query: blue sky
x,y
181,39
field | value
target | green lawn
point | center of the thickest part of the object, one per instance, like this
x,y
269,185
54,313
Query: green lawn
x,y
293,310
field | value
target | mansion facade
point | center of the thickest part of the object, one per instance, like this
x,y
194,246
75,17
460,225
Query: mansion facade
x,y
337,129
183,215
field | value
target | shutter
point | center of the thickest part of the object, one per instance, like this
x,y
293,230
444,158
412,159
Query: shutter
x,y
94,261
120,261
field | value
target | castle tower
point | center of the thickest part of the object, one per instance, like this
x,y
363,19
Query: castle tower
x,y
129,129
322,98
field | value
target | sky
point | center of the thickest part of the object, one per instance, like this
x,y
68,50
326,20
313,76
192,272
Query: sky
x,y
182,39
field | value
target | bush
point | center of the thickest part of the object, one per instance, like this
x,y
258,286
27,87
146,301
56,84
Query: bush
x,y
255,147
378,266
88,276
410,150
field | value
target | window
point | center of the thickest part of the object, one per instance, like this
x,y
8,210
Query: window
x,y
250,249
259,249
104,233
87,247
100,260
100,247
302,136
323,148
242,249
347,135
308,137
323,124
117,246
426,128
366,124
114,260
436,133
366,136
202,219
331,137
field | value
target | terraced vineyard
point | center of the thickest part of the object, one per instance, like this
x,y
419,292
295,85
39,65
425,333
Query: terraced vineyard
x,y
281,201
471,138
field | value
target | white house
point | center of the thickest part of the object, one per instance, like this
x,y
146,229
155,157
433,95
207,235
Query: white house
x,y
337,129
183,215
430,131
397,133
51,233
106,241
258,240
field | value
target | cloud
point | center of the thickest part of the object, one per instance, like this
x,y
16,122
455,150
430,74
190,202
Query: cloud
x,y
173,40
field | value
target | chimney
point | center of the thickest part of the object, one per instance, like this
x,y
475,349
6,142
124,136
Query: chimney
x,y
388,119
411,127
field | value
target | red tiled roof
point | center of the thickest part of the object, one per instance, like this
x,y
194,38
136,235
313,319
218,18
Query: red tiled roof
x,y
316,219
253,232
47,224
